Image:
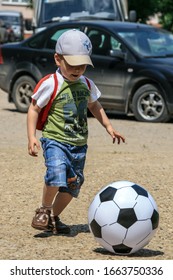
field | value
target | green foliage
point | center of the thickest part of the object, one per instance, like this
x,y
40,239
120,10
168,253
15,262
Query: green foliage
x,y
166,8
146,8
30,4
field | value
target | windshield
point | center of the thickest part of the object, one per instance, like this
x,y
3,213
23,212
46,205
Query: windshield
x,y
53,10
10,19
149,42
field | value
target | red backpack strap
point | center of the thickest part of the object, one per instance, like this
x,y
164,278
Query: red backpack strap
x,y
40,82
45,110
88,83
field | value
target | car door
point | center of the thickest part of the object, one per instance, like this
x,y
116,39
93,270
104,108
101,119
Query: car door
x,y
109,73
44,61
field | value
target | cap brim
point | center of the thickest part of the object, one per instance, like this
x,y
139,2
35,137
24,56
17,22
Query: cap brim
x,y
75,60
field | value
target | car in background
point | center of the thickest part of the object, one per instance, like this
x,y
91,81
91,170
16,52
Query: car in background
x,y
133,66
10,33
6,33
15,21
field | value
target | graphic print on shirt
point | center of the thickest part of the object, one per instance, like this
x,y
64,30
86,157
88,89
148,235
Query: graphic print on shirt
x,y
76,119
67,121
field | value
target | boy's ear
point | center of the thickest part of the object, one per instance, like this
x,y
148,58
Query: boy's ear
x,y
57,58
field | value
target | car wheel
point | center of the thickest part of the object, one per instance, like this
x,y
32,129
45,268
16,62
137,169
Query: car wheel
x,y
22,91
148,105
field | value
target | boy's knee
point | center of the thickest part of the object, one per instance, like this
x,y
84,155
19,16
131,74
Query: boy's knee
x,y
73,186
75,182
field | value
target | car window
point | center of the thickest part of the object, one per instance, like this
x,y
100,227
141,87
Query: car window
x,y
50,42
153,42
161,43
138,41
130,38
37,41
10,19
102,42
115,44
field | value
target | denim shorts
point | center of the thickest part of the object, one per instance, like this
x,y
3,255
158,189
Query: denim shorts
x,y
64,161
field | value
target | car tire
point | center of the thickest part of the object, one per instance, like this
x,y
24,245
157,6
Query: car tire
x,y
22,91
148,105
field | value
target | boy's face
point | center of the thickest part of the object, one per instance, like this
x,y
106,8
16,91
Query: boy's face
x,y
71,73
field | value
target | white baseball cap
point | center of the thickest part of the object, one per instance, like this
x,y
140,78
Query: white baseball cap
x,y
75,46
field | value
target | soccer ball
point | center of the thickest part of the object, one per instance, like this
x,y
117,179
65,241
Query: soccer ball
x,y
123,217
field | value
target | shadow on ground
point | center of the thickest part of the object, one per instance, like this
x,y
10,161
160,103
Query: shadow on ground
x,y
74,230
141,253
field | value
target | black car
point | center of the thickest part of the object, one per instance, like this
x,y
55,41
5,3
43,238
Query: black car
x,y
133,66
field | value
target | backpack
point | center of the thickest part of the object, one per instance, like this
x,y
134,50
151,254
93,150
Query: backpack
x,y
42,117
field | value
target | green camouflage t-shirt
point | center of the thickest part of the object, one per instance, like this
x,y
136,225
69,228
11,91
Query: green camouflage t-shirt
x,y
67,119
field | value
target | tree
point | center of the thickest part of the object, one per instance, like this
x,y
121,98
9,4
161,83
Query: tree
x,y
146,8
166,8
30,4
143,8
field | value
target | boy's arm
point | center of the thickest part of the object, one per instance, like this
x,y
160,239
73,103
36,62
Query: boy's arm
x,y
97,110
32,117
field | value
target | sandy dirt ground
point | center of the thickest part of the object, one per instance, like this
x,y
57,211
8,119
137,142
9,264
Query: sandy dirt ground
x,y
146,159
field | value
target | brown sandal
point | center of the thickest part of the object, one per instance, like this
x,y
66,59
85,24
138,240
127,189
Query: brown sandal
x,y
42,219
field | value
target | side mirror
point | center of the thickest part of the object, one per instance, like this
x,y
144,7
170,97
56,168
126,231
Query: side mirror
x,y
132,16
117,54
28,24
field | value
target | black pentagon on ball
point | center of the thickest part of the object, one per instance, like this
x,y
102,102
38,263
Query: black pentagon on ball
x,y
140,190
96,229
127,217
155,219
107,194
121,249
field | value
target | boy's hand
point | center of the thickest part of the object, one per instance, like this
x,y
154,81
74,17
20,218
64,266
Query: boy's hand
x,y
33,147
115,135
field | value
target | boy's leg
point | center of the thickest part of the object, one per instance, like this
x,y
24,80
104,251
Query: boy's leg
x,y
61,202
42,219
49,194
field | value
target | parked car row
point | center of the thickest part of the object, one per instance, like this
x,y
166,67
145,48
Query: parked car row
x,y
133,66
13,23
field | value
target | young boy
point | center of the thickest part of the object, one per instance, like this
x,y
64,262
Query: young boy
x,y
64,136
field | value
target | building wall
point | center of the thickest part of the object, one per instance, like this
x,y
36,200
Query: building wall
x,y
27,12
21,7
